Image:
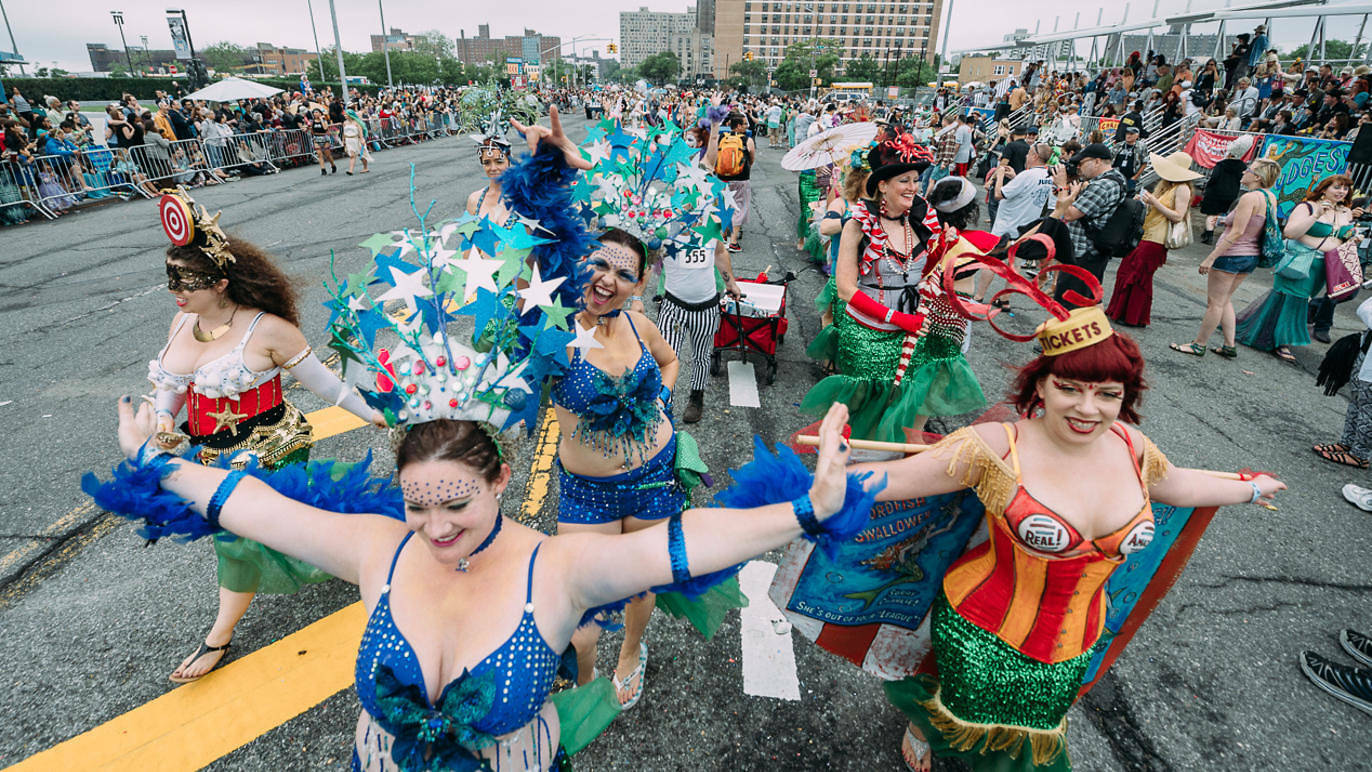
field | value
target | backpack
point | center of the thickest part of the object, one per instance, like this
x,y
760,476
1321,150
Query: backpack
x,y
732,156
1200,98
1122,230
1273,242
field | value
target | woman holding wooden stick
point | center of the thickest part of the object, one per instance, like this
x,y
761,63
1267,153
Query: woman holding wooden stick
x,y
1018,618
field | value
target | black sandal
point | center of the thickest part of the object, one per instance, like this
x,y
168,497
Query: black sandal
x,y
1342,457
204,649
1285,355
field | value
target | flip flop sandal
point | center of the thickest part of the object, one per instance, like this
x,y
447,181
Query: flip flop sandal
x,y
639,671
1331,447
1343,457
1188,348
919,748
1285,356
204,649
1228,352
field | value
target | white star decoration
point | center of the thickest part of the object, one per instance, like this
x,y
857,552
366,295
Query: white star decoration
x,y
480,272
585,339
599,151
408,286
441,257
539,292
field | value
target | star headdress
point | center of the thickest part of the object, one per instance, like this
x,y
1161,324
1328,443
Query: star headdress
x,y
477,319
187,223
646,182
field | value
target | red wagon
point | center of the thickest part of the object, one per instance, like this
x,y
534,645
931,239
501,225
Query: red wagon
x,y
754,325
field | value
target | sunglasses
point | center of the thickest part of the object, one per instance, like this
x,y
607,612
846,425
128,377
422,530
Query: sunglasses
x,y
183,279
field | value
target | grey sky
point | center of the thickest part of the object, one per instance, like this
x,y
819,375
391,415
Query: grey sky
x,y
48,32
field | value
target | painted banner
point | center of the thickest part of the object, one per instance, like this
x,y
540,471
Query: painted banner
x,y
985,116
1135,588
1208,148
1108,126
868,604
1304,162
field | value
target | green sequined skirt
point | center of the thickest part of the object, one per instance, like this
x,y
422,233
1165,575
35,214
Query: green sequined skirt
x,y
250,566
808,193
938,381
991,706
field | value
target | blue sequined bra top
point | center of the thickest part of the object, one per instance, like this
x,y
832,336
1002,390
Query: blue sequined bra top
x,y
502,693
616,413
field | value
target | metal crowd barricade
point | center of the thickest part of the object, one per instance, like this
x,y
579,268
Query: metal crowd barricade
x,y
57,181
249,153
289,145
18,174
110,169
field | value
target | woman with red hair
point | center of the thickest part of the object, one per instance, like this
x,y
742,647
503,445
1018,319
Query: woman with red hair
x,y
1019,615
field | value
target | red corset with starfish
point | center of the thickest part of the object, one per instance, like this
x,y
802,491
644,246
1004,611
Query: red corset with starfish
x,y
207,415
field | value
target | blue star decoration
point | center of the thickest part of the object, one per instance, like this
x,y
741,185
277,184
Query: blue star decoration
x,y
482,310
620,143
387,264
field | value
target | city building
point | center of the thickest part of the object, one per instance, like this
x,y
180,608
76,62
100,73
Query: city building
x,y
689,35
396,40
276,60
984,69
599,65
263,59
1169,44
106,59
881,28
531,48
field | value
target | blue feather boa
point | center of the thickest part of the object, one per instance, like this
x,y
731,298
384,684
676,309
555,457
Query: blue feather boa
x,y
135,492
539,188
772,478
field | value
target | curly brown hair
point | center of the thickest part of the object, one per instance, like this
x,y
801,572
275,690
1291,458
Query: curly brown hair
x,y
447,440
254,280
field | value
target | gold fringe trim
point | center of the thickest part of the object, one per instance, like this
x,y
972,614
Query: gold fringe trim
x,y
1045,744
1154,464
982,470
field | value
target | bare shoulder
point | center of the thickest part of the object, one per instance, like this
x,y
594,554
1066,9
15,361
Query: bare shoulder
x,y
177,320
993,434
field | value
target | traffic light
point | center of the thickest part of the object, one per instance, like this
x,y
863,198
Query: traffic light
x,y
748,56
611,48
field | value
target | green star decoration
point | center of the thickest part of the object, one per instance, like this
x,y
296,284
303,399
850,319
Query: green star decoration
x,y
710,230
378,242
514,264
556,316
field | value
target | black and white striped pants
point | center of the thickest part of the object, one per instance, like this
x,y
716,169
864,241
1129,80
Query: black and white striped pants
x,y
696,322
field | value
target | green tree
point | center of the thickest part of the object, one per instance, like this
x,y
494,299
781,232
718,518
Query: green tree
x,y
751,74
226,57
820,54
1334,51
435,44
865,67
913,72
660,68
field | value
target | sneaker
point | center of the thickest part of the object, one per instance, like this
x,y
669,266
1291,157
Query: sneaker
x,y
1357,645
1358,496
1349,684
734,246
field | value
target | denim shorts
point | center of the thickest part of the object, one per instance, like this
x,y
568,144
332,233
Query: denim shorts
x,y
649,492
1240,264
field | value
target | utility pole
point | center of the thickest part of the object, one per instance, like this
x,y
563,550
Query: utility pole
x,y
318,53
947,25
385,48
338,49
119,22
13,45
147,55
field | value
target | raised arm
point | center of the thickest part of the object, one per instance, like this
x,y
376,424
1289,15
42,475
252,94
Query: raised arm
x,y
335,543
604,568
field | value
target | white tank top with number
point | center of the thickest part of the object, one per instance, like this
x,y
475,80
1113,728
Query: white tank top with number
x,y
690,274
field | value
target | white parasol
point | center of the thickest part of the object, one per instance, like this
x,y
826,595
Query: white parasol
x,y
829,146
233,89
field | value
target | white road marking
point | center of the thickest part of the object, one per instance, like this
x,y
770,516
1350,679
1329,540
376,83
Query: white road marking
x,y
743,384
769,661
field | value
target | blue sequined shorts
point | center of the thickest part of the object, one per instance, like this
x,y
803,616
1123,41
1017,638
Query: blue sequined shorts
x,y
649,492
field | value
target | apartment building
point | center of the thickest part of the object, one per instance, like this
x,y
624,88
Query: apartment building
x,y
882,28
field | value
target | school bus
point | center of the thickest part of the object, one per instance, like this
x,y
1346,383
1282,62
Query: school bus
x,y
848,91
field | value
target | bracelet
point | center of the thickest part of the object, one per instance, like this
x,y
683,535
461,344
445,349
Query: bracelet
x,y
1257,492
890,312
805,515
676,549
148,453
297,359
221,496
633,298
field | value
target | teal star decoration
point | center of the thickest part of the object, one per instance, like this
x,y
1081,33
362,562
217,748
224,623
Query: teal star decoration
x,y
710,231
483,309
516,236
556,315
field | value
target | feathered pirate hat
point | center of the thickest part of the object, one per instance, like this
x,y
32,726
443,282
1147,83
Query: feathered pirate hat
x,y
894,157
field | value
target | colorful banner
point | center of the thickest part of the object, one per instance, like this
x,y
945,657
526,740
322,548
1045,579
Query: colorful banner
x,y
1135,588
1304,162
1108,127
1208,148
868,604
985,115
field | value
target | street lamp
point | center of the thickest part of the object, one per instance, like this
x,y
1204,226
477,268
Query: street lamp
x,y
319,54
119,22
385,48
13,45
147,57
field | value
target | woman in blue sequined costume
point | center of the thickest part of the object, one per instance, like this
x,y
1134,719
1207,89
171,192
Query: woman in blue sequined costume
x,y
468,609
617,456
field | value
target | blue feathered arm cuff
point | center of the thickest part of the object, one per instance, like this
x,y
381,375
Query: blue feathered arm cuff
x,y
135,492
773,478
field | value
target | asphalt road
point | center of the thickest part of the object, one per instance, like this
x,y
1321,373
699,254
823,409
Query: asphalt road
x,y
91,621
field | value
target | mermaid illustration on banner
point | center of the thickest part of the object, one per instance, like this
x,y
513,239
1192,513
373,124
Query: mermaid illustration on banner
x,y
470,612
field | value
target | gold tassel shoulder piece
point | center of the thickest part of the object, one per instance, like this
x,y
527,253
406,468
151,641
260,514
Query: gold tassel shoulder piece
x,y
1044,744
982,470
1154,464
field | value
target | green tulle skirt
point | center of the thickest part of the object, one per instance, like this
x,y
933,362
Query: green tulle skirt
x,y
249,566
938,381
808,193
990,706
707,612
1279,317
584,712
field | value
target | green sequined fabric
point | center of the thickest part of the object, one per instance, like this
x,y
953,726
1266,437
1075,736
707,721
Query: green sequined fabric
x,y
690,467
249,566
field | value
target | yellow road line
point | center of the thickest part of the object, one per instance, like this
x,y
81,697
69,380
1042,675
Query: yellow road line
x,y
195,724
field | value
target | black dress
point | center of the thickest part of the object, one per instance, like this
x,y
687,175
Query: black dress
x,y
1223,188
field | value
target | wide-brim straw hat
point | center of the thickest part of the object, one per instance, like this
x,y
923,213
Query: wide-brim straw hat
x,y
1173,168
